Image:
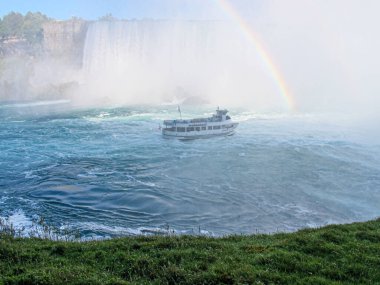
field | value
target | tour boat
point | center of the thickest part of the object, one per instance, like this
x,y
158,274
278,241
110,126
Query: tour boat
x,y
220,124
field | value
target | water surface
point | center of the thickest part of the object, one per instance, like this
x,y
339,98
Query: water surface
x,y
108,172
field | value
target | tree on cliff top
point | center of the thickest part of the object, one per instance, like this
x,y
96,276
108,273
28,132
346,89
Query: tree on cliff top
x,y
11,25
32,26
108,18
28,27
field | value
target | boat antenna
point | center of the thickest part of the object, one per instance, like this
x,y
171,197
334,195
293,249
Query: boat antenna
x,y
179,110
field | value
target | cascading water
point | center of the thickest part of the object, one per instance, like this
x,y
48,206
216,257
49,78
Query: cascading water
x,y
156,61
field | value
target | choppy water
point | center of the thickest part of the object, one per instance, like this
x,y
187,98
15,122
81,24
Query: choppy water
x,y
109,172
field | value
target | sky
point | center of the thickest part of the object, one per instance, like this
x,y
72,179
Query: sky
x,y
124,9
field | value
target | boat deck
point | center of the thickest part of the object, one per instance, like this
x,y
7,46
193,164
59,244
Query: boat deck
x,y
218,117
192,121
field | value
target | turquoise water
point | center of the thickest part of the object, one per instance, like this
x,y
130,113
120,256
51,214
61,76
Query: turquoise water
x,y
109,172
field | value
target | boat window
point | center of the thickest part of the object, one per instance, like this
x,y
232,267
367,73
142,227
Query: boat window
x,y
228,117
197,129
172,129
210,128
189,129
216,127
181,129
203,128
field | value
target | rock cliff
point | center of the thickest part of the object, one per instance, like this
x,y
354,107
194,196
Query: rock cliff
x,y
65,39
15,46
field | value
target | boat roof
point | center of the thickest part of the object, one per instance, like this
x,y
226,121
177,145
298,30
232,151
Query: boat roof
x,y
215,118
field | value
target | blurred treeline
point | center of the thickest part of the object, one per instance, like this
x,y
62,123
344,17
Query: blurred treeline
x,y
27,27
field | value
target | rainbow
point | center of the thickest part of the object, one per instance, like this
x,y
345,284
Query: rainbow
x,y
265,57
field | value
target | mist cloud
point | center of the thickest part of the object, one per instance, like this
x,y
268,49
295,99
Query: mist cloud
x,y
327,51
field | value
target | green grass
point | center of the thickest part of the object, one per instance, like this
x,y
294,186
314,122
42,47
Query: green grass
x,y
336,254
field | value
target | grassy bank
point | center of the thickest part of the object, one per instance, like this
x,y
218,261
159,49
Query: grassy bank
x,y
334,254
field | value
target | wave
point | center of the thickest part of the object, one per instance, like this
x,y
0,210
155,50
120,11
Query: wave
x,y
24,226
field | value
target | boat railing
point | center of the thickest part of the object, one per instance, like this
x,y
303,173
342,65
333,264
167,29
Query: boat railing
x,y
215,118
192,121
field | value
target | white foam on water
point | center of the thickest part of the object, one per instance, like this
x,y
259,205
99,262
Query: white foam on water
x,y
35,104
103,114
3,199
108,231
29,175
25,226
18,221
133,179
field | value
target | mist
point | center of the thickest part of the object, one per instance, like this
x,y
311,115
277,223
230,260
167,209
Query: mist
x,y
325,52
155,62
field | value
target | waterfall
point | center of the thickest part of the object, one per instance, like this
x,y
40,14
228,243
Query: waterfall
x,y
151,61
